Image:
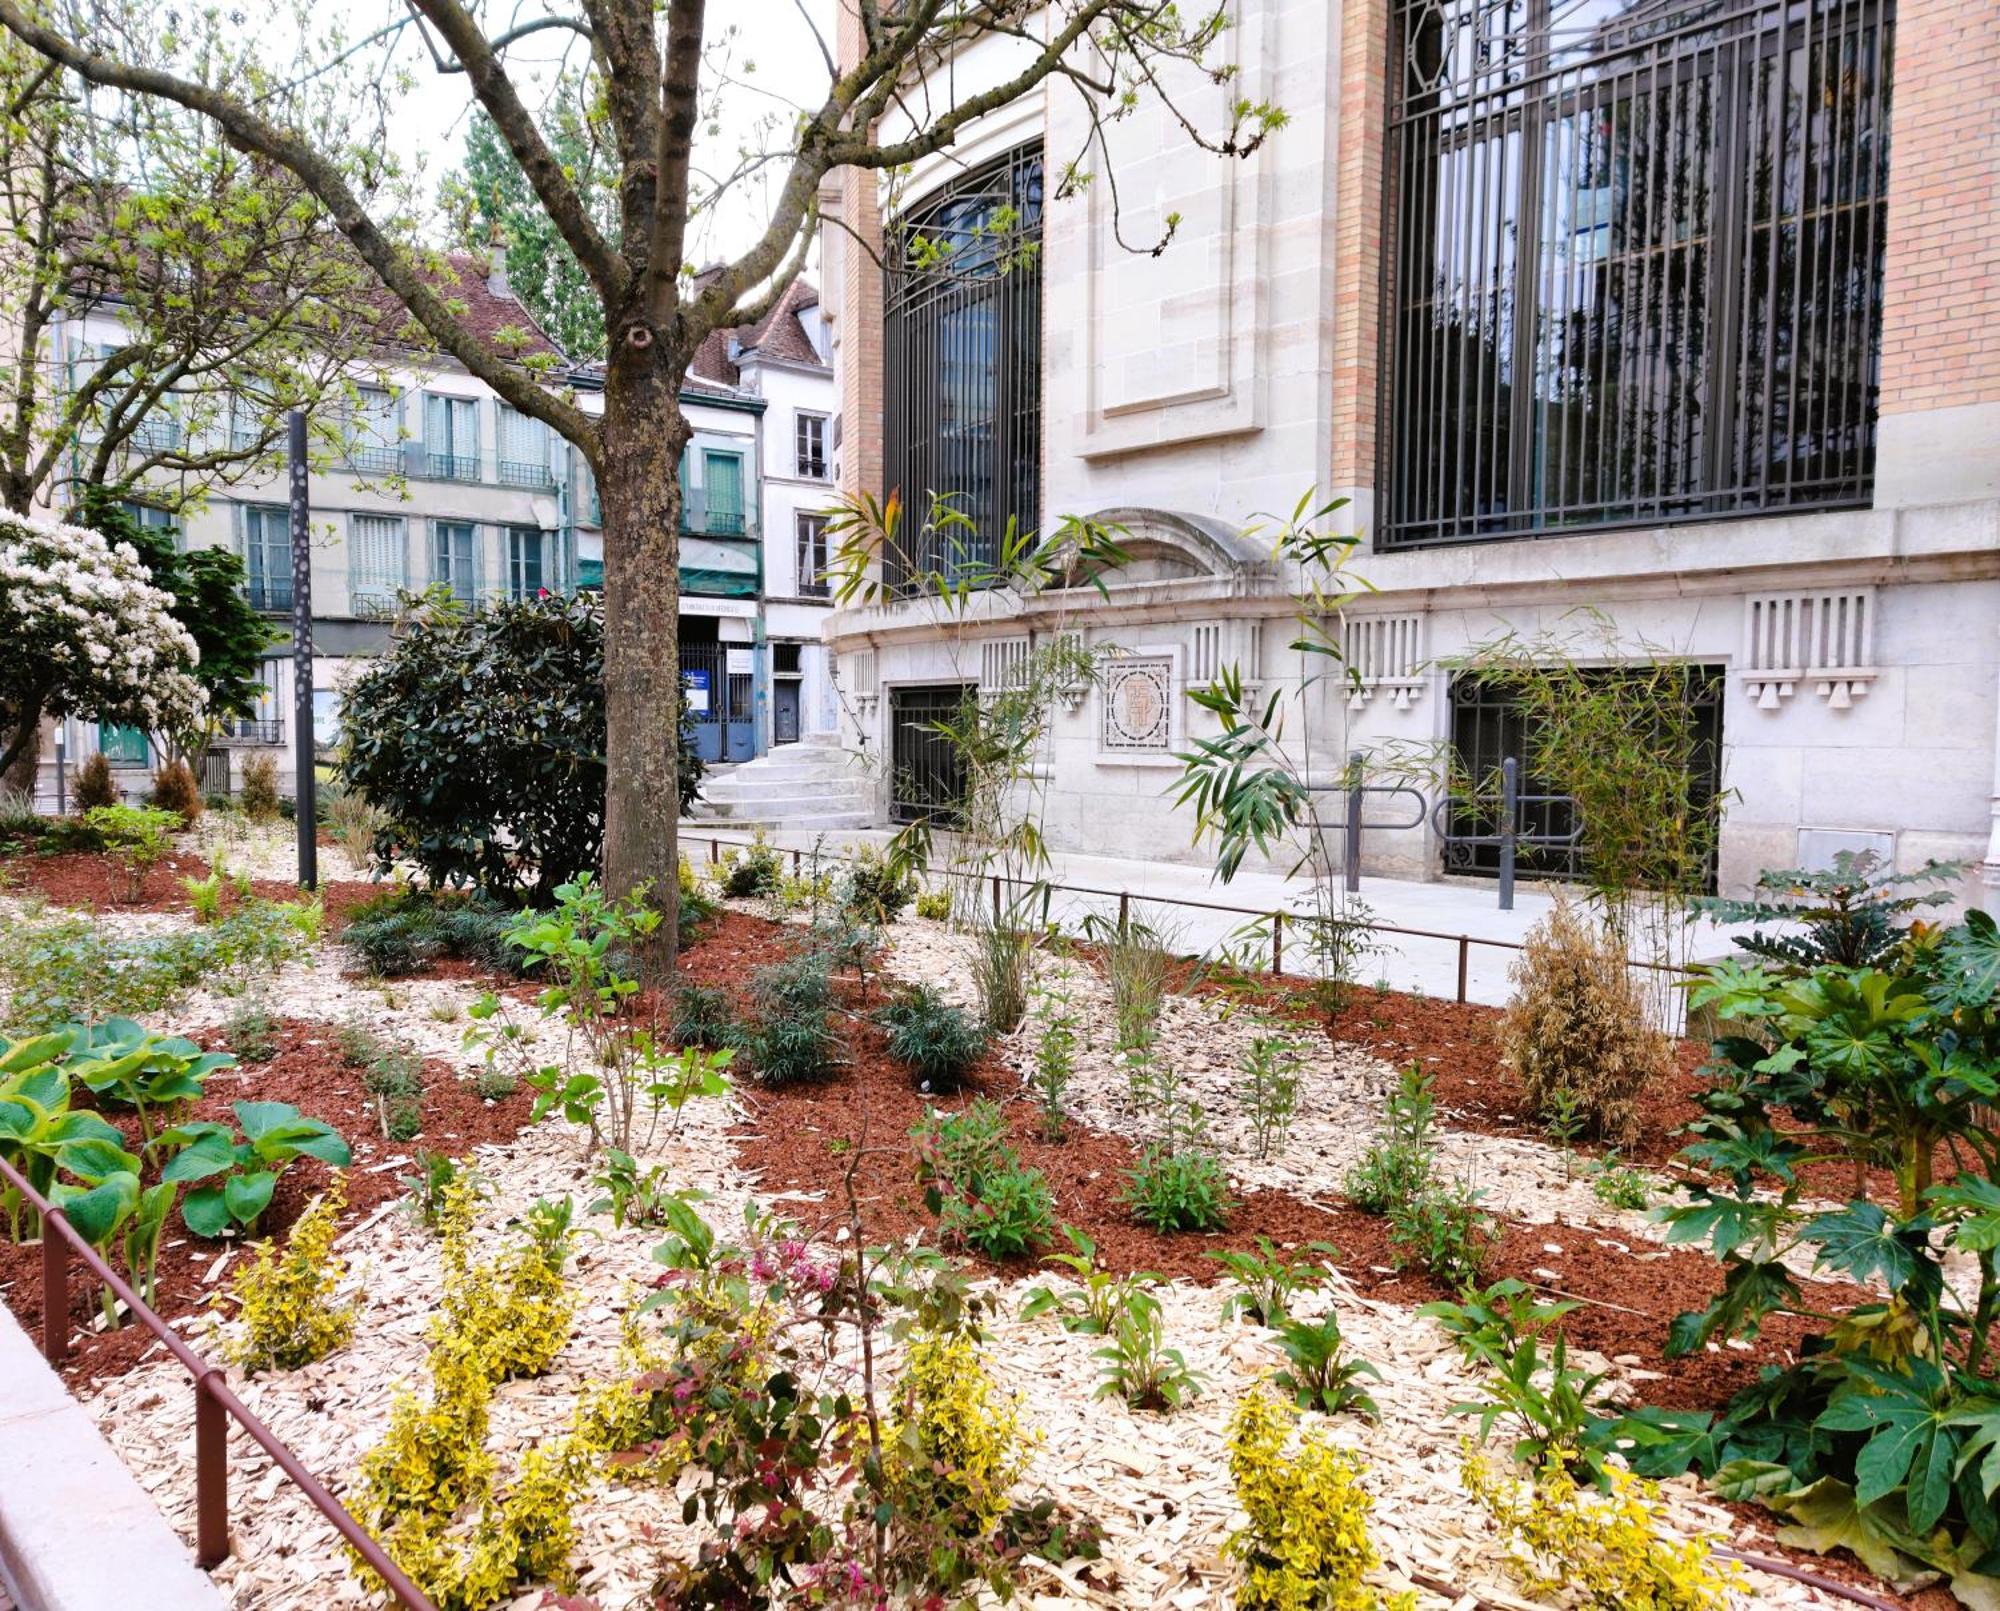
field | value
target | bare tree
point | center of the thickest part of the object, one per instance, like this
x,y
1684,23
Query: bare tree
x,y
650,68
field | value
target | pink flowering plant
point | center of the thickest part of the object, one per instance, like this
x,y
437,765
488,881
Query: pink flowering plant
x,y
819,1476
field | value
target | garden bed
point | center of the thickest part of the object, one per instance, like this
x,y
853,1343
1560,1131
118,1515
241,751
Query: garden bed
x,y
307,1071
1154,1483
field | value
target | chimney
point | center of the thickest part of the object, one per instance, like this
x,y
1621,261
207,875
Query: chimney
x,y
496,265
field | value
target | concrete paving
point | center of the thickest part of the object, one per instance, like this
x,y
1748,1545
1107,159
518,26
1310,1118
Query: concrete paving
x,y
77,1532
1426,961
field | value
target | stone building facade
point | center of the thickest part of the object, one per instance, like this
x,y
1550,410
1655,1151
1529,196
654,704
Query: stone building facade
x,y
1741,259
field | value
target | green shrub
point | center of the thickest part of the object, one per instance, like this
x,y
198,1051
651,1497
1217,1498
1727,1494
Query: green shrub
x,y
395,1079
961,1147
1138,964
937,1042
1397,1165
66,969
1443,1230
1318,1372
1012,1215
405,929
1181,1189
501,785
94,784
934,904
756,869
251,1034
875,891
259,796
791,1039
703,1016
1002,964
135,837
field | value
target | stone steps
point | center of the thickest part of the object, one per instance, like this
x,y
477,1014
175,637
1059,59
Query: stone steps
x,y
806,785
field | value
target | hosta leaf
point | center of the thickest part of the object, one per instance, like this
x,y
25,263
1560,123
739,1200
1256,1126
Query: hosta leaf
x,y
97,1211
205,1212
245,1196
325,1145
259,1119
94,1158
1752,1479
33,1052
207,1154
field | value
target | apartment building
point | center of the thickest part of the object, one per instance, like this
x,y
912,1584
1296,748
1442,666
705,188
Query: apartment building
x,y
445,484
1677,318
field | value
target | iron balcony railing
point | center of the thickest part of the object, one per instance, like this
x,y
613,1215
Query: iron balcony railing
x,y
375,460
254,730
273,596
451,466
1634,262
520,473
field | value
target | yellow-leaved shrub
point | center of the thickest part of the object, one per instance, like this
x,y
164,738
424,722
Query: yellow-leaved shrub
x,y
1306,1547
1577,1023
513,1309
285,1298
952,1450
1597,1549
430,1491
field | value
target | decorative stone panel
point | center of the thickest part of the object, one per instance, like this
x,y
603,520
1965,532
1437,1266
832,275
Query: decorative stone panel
x,y
1385,654
1003,663
1138,708
1822,638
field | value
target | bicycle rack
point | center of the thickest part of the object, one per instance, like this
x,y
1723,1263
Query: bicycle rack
x,y
1510,837
1351,828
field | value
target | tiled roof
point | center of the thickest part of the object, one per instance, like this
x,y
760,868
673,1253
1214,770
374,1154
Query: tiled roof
x,y
462,281
779,335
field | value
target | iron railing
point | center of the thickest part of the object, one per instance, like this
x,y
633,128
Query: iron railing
x,y
215,1404
254,730
1277,917
927,770
520,473
1633,262
273,595
451,466
375,460
962,344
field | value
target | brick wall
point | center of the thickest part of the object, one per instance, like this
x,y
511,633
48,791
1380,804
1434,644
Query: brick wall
x,y
1358,239
1941,295
860,307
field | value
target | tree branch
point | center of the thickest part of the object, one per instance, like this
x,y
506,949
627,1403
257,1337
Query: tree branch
x,y
481,62
319,175
678,112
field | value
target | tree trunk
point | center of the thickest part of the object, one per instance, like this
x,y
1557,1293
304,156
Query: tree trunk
x,y
644,433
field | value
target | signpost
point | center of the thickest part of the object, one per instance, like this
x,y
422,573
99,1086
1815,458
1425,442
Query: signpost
x,y
305,784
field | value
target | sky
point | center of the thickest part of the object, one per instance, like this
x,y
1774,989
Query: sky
x,y
771,58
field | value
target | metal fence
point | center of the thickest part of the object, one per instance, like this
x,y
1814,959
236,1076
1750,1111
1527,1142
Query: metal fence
x,y
215,1404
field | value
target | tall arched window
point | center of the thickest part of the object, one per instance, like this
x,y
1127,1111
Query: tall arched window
x,y
1636,261
962,370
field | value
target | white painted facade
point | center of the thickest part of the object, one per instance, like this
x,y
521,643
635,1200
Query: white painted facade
x,y
1191,395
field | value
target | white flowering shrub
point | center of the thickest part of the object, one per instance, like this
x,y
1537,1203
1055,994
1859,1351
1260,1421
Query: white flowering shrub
x,y
86,633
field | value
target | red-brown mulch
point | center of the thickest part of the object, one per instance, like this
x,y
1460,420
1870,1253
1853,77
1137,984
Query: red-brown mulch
x,y
308,1071
93,881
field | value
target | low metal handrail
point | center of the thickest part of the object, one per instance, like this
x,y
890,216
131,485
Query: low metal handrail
x,y
215,1404
1277,917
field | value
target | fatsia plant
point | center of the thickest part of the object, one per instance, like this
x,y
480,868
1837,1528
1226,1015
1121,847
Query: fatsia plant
x,y
1849,913
1883,1437
238,1176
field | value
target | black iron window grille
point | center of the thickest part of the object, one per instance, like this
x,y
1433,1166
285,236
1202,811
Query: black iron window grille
x,y
1489,724
962,376
1634,261
927,780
